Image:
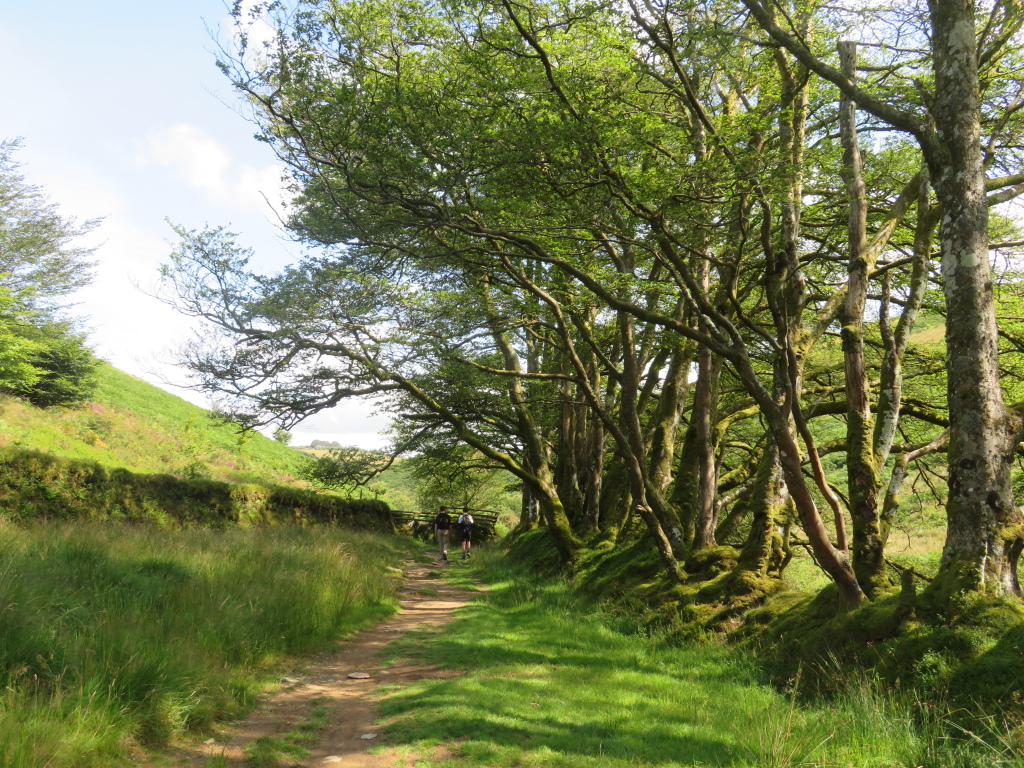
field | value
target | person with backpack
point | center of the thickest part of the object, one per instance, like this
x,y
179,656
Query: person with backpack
x,y
442,531
465,525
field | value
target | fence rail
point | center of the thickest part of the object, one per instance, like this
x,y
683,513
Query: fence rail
x,y
483,519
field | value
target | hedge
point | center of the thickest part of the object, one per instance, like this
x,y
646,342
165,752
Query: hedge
x,y
40,485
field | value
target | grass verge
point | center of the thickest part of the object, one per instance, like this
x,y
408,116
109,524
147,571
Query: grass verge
x,y
112,635
550,679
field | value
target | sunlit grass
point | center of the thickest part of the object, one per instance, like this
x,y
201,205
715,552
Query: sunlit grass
x,y
112,634
552,680
134,425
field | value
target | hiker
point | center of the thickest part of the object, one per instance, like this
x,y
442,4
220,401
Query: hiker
x,y
442,531
465,523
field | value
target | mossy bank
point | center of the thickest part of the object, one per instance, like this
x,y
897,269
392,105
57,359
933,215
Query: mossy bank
x,y
971,658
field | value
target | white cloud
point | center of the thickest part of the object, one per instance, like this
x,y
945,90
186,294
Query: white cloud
x,y
131,329
127,327
136,332
206,165
351,422
81,195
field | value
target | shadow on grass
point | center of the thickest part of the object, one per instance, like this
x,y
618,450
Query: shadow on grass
x,y
552,681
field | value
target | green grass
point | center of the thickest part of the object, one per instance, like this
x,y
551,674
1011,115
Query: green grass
x,y
550,679
112,635
134,425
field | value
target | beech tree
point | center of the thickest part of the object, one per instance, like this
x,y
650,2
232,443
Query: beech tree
x,y
40,258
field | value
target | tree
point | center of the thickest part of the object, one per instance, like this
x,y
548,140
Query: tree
x,y
65,367
344,469
456,477
984,525
530,222
47,361
39,256
16,351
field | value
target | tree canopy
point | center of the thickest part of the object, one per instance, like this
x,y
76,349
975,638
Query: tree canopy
x,y
640,257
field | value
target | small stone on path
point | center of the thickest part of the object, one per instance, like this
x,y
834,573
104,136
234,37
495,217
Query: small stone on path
x,y
210,741
332,759
289,680
359,675
368,736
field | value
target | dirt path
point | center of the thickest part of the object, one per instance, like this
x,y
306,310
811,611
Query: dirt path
x,y
428,603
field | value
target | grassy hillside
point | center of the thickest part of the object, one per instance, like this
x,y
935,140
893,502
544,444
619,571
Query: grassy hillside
x,y
133,425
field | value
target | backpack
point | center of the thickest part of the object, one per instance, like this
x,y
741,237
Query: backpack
x,y
466,520
443,521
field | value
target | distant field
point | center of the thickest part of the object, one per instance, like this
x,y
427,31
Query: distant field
x,y
318,452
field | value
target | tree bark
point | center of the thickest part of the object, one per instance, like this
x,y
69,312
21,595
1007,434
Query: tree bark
x,y
982,521
768,503
704,406
867,554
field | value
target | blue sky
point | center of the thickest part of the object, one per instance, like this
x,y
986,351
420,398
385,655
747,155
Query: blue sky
x,y
125,116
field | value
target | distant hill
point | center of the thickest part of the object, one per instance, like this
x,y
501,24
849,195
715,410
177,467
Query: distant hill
x,y
136,426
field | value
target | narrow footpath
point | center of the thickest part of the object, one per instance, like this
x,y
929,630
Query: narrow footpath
x,y
428,603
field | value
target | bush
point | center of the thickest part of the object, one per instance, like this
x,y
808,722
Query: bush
x,y
66,368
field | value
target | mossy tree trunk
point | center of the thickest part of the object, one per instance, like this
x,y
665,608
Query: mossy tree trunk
x,y
625,429
529,510
616,500
541,478
983,525
982,522
869,438
685,488
664,425
650,502
580,440
705,406
868,551
788,290
767,511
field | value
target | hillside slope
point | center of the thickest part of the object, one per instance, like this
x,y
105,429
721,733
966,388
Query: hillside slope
x,y
136,426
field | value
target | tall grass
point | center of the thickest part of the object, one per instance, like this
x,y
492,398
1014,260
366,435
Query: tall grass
x,y
551,679
113,634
